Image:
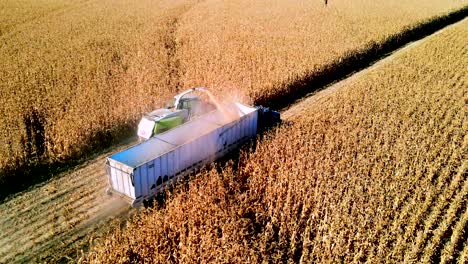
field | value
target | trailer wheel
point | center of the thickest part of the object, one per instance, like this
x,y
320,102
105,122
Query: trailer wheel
x,y
109,191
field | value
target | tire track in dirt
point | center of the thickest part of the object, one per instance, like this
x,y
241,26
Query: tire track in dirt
x,y
50,192
34,235
54,214
67,189
43,201
69,245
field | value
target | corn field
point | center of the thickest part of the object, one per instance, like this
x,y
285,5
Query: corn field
x,y
77,79
75,76
374,172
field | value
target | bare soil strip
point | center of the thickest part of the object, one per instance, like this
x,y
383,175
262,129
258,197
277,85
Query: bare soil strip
x,y
56,220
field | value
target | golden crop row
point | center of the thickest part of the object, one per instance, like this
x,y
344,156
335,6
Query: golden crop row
x,y
375,171
79,79
15,13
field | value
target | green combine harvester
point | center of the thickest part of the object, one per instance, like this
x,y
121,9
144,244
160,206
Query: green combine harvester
x,y
184,107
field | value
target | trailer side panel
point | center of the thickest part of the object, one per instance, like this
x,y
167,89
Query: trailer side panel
x,y
173,154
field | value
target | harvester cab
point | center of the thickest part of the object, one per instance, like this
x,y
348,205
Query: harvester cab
x,y
182,108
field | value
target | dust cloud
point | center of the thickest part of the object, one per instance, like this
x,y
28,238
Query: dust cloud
x,y
226,108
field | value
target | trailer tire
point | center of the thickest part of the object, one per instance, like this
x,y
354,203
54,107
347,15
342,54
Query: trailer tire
x,y
109,191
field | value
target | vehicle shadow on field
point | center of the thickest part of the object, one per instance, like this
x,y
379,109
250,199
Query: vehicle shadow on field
x,y
356,61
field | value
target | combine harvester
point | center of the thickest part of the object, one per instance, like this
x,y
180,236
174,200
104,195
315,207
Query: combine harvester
x,y
181,139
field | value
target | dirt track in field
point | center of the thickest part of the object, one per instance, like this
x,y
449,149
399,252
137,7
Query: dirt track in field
x,y
56,221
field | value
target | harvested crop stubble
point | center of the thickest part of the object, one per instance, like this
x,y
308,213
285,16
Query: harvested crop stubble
x,y
376,171
75,80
